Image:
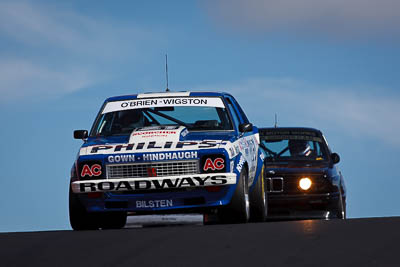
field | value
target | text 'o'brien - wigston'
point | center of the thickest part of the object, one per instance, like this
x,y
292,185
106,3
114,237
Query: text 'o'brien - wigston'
x,y
166,101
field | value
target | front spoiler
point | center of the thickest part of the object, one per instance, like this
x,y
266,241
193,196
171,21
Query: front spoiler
x,y
302,206
147,183
300,215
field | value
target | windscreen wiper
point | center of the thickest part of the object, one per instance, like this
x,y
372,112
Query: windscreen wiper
x,y
168,117
146,111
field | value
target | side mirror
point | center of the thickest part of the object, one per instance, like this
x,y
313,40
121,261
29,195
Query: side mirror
x,y
80,134
245,127
335,158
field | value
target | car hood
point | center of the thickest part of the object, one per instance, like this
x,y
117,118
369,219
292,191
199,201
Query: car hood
x,y
276,169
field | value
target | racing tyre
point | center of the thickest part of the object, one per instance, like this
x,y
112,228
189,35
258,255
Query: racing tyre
x,y
342,209
79,218
238,211
113,220
259,200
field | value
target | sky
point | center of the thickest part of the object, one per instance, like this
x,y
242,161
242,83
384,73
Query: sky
x,y
331,65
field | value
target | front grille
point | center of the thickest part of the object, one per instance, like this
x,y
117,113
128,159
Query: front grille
x,y
291,184
138,170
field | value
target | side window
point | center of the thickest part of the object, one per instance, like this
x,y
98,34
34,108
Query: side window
x,y
316,149
244,117
233,113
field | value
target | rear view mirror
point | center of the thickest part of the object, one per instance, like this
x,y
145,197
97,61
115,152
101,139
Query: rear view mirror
x,y
164,108
335,158
80,134
245,127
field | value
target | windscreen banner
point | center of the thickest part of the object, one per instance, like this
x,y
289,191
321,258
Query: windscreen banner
x,y
163,102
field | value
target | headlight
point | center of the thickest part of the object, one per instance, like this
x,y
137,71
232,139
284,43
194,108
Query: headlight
x,y
213,163
91,169
305,183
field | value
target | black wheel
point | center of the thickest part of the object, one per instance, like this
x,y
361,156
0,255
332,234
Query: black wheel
x,y
79,218
342,210
113,220
238,211
259,200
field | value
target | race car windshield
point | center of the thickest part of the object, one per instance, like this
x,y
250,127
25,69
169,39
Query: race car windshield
x,y
279,148
195,118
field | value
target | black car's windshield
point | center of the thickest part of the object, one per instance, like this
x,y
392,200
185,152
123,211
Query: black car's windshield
x,y
293,146
120,121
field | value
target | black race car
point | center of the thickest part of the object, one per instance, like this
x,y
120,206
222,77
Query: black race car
x,y
301,177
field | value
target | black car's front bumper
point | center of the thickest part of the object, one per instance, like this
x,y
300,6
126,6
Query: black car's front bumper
x,y
303,206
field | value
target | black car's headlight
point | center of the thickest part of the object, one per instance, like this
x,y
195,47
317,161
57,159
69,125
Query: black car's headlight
x,y
305,183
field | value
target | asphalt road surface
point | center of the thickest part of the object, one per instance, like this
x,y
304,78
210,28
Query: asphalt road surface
x,y
354,242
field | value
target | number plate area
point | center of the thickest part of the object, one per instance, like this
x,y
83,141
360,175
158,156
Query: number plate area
x,y
274,184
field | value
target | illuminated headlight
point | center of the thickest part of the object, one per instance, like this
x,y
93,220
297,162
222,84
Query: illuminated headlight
x,y
305,183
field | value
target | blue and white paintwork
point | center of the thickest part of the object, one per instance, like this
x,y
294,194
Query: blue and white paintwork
x,y
241,150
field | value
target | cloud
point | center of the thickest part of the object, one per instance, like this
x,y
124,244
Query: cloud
x,y
333,18
57,51
23,79
353,110
37,25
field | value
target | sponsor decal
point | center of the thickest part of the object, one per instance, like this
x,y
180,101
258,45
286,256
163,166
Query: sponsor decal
x,y
156,133
237,150
170,156
231,152
95,170
243,144
184,132
252,144
287,132
240,164
217,164
262,156
152,134
95,149
126,158
158,127
290,135
163,102
163,203
106,149
147,184
121,158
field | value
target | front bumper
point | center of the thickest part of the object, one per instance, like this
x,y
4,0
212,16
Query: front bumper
x,y
301,206
185,197
146,183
